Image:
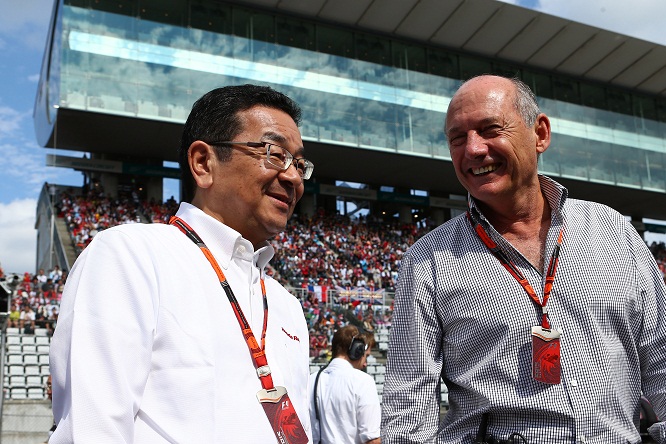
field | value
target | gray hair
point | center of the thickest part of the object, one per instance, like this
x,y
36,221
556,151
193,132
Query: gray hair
x,y
525,102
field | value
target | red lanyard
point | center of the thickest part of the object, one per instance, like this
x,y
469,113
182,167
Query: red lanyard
x,y
257,352
517,274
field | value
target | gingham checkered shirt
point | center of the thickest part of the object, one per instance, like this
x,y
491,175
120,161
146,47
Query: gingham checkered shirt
x,y
460,315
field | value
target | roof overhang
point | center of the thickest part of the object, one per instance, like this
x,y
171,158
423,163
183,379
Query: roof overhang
x,y
500,31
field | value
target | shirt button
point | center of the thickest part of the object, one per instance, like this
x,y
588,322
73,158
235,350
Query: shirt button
x,y
574,383
241,249
582,439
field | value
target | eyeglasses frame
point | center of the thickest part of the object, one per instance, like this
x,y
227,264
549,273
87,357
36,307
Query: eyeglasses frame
x,y
289,158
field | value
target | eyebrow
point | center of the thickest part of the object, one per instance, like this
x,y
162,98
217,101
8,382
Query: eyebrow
x,y
483,123
281,140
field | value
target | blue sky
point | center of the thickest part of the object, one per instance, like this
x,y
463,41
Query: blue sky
x,y
23,27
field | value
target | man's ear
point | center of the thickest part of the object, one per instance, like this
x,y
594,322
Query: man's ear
x,y
542,133
201,158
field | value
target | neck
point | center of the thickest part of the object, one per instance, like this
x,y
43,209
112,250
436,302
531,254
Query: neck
x,y
524,224
521,214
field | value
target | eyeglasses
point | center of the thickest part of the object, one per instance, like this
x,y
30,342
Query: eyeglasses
x,y
278,156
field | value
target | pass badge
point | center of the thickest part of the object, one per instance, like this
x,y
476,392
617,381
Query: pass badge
x,y
282,416
546,366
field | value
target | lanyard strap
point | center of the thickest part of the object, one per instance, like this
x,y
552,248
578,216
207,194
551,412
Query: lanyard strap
x,y
515,271
256,352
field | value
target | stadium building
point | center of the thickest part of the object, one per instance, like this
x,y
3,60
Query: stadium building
x,y
374,78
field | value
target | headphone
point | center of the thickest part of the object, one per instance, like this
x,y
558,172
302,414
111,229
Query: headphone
x,y
357,348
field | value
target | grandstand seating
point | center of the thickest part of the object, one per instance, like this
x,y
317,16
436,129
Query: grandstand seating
x,y
26,364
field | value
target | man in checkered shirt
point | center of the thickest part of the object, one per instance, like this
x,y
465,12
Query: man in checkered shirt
x,y
545,316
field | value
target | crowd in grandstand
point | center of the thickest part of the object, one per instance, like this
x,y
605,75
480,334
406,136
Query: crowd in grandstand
x,y
36,300
323,255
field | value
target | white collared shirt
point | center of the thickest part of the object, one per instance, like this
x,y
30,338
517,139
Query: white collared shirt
x,y
349,408
148,349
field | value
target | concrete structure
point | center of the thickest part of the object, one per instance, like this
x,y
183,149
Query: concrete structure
x,y
26,422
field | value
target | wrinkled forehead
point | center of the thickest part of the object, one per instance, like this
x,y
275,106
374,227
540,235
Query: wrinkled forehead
x,y
478,97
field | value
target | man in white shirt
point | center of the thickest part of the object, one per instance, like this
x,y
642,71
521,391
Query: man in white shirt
x,y
130,362
344,406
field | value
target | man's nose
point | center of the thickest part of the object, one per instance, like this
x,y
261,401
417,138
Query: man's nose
x,y
475,145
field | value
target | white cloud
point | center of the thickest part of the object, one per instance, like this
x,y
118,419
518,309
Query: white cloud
x,y
18,238
10,121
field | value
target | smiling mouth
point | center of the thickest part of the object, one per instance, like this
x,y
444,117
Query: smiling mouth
x,y
484,170
285,199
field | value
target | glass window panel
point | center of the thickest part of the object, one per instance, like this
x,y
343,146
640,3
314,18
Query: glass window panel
x,y
295,33
74,89
506,70
540,84
121,25
549,162
619,101
335,66
259,30
263,28
78,3
373,73
443,86
378,123
335,41
418,81
645,111
160,33
627,166
173,13
573,157
339,120
624,123
473,66
586,114
372,49
210,16
547,106
566,90
600,160
74,62
302,61
442,63
593,95
606,119
410,135
409,57
660,105
655,170
420,131
124,7
241,22
209,42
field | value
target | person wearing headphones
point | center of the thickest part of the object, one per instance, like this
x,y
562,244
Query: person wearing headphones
x,y
344,406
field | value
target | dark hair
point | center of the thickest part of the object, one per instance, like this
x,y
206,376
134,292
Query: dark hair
x,y
342,339
215,117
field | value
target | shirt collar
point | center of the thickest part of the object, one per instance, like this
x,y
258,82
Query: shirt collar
x,y
555,194
224,242
340,362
